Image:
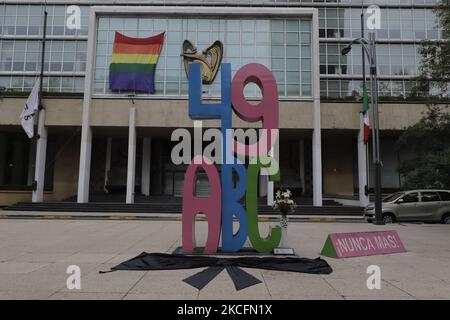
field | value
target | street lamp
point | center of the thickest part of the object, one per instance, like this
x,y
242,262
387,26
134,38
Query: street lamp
x,y
370,50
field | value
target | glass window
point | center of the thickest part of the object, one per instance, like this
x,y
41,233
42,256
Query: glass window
x,y
282,45
445,196
293,51
292,64
411,197
430,196
397,23
292,25
278,25
292,38
248,25
278,51
277,38
392,197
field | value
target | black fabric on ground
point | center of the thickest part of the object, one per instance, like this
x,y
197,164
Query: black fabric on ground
x,y
164,261
304,265
241,278
202,278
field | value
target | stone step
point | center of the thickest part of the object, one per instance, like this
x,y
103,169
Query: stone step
x,y
167,207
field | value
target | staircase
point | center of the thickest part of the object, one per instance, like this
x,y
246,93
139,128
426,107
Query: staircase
x,y
171,205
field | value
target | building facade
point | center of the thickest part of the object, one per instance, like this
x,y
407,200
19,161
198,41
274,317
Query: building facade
x,y
118,143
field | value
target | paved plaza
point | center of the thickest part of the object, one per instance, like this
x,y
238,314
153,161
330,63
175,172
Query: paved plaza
x,y
35,254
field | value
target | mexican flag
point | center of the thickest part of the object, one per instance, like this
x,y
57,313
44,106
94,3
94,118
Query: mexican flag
x,y
365,112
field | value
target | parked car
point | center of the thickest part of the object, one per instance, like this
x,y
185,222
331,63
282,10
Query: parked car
x,y
414,205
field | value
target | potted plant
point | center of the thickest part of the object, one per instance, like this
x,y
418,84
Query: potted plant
x,y
285,205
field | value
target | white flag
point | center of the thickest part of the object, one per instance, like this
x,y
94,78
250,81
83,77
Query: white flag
x,y
28,112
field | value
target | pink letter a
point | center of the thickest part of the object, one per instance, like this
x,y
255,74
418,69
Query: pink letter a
x,y
209,206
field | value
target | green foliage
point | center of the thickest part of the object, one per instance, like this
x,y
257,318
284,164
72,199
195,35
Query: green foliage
x,y
429,139
434,70
429,142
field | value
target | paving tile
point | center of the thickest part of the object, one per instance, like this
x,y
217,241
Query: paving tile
x,y
165,282
358,287
222,287
60,269
30,283
292,285
161,296
41,257
288,296
379,298
86,296
25,295
88,257
35,254
114,282
420,289
20,267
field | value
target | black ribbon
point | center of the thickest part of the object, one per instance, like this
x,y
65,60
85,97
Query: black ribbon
x,y
241,279
215,265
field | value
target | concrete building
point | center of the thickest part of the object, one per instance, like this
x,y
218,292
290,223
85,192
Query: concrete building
x,y
100,142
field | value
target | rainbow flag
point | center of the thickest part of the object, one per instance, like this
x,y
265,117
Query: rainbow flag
x,y
133,63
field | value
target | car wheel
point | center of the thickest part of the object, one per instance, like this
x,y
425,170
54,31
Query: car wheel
x,y
388,218
446,219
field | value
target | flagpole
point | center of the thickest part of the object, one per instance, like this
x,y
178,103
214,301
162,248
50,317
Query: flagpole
x,y
41,76
366,187
41,136
362,145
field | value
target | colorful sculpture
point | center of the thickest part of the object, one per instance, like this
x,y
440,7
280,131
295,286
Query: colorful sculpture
x,y
223,205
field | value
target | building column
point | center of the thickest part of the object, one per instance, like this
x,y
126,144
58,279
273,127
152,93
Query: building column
x,y
274,153
86,130
131,167
317,168
146,165
41,153
362,167
317,135
301,156
107,161
85,164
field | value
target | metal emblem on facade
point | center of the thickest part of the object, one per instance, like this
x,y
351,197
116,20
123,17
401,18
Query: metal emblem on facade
x,y
209,59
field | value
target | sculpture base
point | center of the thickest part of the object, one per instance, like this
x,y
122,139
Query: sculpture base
x,y
246,251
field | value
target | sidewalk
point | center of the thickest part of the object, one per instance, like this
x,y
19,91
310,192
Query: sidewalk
x,y
35,253
5,214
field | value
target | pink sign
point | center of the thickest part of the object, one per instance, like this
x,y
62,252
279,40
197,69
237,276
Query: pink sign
x,y
358,244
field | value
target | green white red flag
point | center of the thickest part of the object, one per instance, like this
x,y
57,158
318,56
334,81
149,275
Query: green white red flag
x,y
365,112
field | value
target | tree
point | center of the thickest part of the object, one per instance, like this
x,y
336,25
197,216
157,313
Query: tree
x,y
434,70
429,142
429,139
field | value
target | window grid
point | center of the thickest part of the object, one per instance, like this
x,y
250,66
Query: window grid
x,y
338,88
392,59
242,40
396,23
410,24
70,84
24,19
60,55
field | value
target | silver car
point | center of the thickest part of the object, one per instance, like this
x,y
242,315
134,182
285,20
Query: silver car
x,y
414,205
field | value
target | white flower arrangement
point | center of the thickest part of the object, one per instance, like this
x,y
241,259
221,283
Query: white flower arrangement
x,y
283,201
